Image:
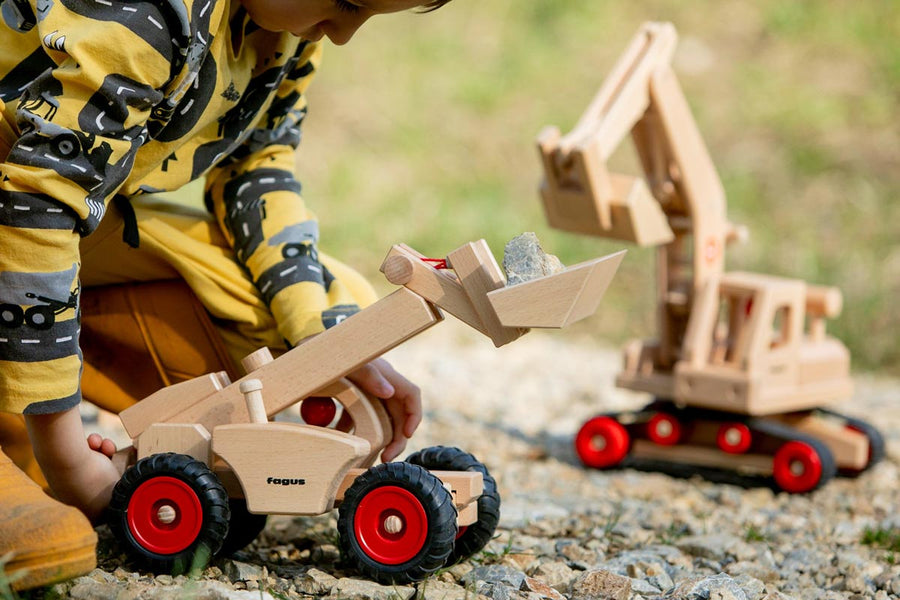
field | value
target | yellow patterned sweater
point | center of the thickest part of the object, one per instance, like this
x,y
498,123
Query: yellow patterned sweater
x,y
114,98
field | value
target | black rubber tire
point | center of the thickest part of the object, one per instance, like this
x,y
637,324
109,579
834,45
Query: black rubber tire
x,y
439,511
213,502
476,536
877,448
243,527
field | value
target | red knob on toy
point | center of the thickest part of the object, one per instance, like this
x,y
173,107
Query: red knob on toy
x,y
318,411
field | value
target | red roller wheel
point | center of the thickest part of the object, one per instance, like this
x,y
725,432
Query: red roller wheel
x,y
318,411
391,525
165,515
664,429
797,467
734,438
602,442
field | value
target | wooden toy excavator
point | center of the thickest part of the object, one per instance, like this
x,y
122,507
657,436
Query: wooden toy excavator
x,y
207,463
742,366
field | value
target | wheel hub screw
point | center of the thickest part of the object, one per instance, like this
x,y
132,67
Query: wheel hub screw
x,y
732,436
166,514
664,428
393,524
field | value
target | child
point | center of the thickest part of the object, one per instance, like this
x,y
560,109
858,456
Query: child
x,y
104,100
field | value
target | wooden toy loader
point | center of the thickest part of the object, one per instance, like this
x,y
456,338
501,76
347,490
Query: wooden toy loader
x,y
742,365
207,464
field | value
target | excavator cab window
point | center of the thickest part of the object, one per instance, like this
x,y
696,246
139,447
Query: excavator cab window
x,y
781,327
734,312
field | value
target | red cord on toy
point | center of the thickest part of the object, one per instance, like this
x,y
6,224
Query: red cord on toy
x,y
437,263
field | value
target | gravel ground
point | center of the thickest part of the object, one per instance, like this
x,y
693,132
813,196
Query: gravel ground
x,y
568,532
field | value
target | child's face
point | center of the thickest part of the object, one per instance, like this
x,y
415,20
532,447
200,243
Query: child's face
x,y
313,19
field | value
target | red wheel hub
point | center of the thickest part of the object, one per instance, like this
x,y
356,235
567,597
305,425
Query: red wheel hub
x,y
390,525
797,467
318,411
602,442
164,515
664,429
734,438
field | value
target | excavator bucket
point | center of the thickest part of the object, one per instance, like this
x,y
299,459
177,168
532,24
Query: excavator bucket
x,y
581,196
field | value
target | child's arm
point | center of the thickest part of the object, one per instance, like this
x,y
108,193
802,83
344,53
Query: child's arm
x,y
257,202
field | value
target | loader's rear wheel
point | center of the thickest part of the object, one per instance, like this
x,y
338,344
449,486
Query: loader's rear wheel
x,y
397,523
243,527
171,513
798,467
602,442
664,429
472,538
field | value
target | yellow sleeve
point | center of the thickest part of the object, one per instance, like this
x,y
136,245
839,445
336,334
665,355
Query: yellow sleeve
x,y
80,123
257,201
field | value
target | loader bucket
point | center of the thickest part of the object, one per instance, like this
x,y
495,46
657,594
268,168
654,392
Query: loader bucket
x,y
556,300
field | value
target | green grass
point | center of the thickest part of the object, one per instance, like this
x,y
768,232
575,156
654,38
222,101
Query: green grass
x,y
887,539
422,131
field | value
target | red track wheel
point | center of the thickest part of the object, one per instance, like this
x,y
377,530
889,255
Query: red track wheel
x,y
734,438
664,429
602,442
797,467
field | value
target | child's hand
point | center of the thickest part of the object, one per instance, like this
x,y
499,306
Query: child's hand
x,y
403,400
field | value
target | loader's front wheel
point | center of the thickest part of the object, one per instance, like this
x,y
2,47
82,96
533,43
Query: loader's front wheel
x,y
397,523
171,513
474,537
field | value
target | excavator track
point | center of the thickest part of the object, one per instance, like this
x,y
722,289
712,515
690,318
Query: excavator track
x,y
782,448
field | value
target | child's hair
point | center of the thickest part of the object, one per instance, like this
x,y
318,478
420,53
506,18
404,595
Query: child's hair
x,y
433,5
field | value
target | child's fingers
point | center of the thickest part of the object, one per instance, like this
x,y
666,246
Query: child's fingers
x,y
98,443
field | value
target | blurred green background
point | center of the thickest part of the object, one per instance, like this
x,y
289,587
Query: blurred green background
x,y
422,131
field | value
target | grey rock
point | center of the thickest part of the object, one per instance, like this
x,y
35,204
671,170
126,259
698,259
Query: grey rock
x,y
557,575
715,587
359,589
86,588
314,582
524,260
495,574
600,583
714,547
433,589
753,569
644,588
542,589
578,556
240,571
753,587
